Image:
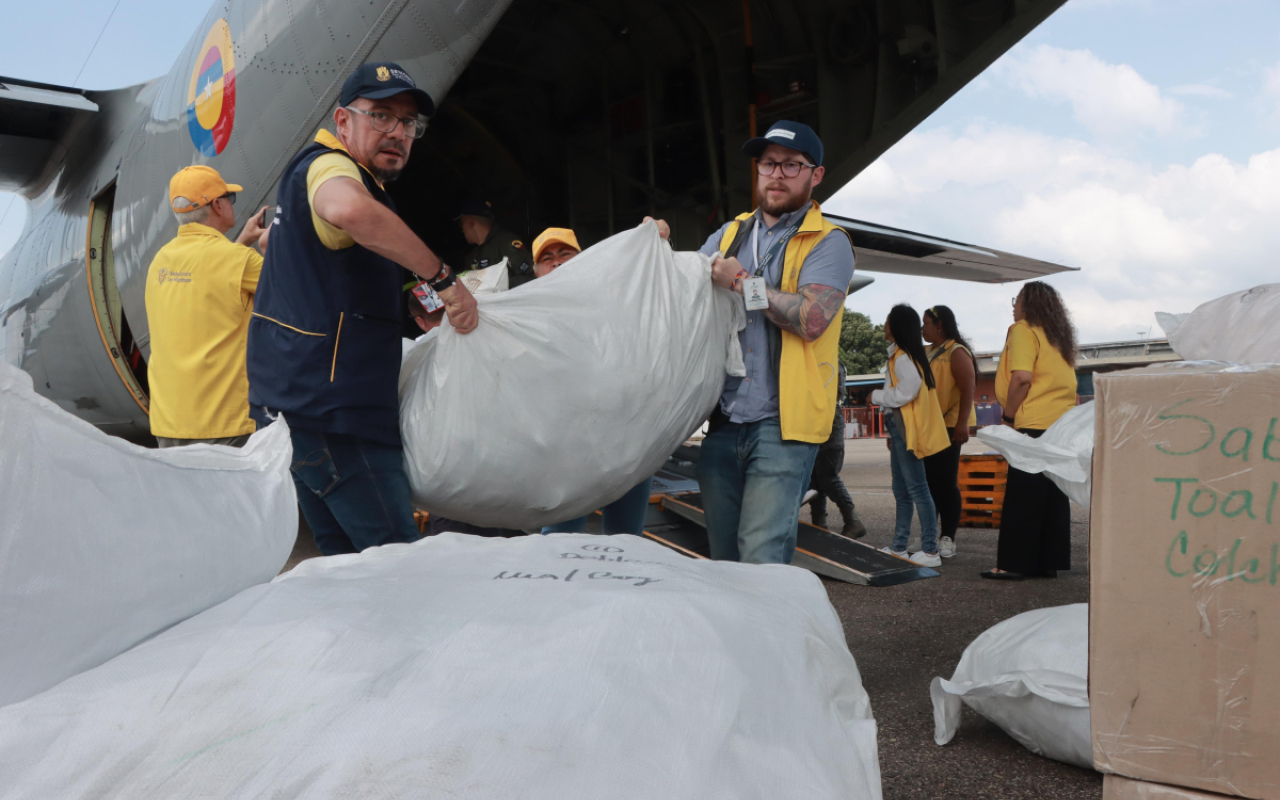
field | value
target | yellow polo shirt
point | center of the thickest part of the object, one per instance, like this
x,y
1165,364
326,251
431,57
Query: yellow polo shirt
x,y
327,167
1053,381
199,299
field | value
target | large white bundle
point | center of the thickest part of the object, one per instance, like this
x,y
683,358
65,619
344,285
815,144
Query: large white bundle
x,y
1241,327
104,543
566,667
1064,452
1029,675
573,388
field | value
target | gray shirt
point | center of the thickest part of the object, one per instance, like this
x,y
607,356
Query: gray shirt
x,y
830,263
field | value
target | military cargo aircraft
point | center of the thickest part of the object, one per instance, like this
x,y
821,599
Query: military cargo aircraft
x,y
585,113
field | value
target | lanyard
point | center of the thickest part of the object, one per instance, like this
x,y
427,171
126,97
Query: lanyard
x,y
773,250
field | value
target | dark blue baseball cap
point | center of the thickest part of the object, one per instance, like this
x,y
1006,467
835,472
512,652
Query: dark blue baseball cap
x,y
382,79
475,208
795,135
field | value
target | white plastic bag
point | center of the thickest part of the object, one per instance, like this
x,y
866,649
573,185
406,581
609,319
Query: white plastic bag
x,y
1030,676
565,667
572,389
104,543
1064,452
1241,327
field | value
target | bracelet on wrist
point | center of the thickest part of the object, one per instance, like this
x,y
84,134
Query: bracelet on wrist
x,y
443,279
1007,418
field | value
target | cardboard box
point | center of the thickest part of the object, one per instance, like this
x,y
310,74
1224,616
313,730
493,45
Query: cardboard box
x,y
1115,787
1184,617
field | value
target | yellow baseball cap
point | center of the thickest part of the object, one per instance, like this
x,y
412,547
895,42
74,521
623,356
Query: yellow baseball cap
x,y
199,184
554,236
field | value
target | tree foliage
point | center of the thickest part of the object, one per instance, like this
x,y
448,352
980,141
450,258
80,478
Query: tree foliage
x,y
862,345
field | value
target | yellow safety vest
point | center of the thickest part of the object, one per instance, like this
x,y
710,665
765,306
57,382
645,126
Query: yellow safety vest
x,y
948,389
808,374
922,417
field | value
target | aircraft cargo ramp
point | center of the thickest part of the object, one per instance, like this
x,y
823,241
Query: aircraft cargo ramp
x,y
676,519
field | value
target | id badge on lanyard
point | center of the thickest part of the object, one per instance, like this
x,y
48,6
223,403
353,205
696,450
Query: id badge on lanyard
x,y
428,298
755,289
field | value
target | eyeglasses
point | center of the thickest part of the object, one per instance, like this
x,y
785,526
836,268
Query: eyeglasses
x,y
790,169
230,197
386,123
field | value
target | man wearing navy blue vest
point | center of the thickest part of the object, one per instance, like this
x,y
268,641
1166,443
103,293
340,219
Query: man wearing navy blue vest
x,y
324,341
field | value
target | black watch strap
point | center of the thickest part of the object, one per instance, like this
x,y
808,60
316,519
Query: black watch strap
x,y
1007,418
443,279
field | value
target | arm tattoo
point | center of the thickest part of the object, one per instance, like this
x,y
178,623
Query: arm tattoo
x,y
806,313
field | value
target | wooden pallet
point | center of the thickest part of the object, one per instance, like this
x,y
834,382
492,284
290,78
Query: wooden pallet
x,y
982,481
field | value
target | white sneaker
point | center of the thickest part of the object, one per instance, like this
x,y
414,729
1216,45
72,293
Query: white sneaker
x,y
926,560
892,552
946,547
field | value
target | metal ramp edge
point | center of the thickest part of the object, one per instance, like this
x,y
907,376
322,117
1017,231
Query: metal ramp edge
x,y
817,550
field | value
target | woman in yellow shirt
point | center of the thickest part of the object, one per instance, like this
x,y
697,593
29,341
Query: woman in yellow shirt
x,y
951,360
1035,384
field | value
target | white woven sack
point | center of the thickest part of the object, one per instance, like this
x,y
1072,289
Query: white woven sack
x,y
1240,328
103,543
1064,452
573,388
563,667
1030,676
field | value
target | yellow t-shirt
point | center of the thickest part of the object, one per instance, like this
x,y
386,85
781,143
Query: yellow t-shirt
x,y
199,298
323,168
948,390
1053,381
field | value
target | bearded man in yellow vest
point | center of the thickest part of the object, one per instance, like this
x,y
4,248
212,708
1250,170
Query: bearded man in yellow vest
x,y
756,460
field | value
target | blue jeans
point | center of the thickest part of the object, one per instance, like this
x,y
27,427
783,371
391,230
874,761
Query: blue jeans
x,y
910,489
354,492
752,484
624,515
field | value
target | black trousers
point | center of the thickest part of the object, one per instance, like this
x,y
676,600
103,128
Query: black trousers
x,y
942,471
825,479
1035,523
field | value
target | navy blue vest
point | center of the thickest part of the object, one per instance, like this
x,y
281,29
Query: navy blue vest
x,y
324,341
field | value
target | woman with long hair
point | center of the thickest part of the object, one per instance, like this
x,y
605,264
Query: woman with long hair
x,y
1035,384
916,431
951,360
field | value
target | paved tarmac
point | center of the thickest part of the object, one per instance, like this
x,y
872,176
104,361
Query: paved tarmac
x,y
902,636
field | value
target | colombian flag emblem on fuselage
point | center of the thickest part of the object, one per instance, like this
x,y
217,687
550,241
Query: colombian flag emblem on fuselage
x,y
211,96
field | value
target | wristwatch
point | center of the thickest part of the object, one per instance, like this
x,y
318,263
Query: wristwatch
x,y
1007,418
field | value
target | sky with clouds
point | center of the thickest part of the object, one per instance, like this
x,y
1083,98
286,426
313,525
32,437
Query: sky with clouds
x,y
1138,140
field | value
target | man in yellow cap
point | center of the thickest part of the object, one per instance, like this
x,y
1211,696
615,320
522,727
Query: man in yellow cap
x,y
553,247
199,298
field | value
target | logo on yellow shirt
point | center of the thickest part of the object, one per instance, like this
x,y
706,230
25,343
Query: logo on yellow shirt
x,y
164,275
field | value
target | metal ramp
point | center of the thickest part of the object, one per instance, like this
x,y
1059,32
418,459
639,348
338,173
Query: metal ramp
x,y
677,521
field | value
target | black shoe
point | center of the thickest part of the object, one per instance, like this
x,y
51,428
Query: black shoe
x,y
853,527
1004,576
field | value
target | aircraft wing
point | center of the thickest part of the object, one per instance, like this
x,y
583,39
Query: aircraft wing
x,y
883,249
34,119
